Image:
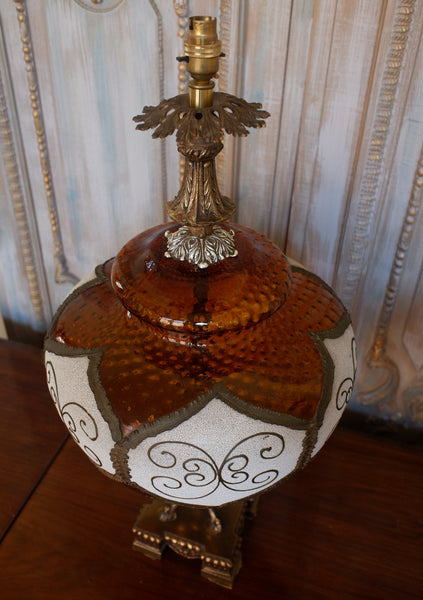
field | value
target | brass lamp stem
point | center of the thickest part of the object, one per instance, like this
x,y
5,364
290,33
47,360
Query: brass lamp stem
x,y
201,118
199,204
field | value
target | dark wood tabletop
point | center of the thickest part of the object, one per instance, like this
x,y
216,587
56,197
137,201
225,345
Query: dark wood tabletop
x,y
349,526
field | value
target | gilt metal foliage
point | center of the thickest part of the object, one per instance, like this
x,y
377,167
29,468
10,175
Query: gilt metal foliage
x,y
228,114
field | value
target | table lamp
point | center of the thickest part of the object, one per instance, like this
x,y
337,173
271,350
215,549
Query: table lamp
x,y
200,365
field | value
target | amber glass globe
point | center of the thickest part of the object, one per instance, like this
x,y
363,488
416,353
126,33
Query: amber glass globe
x,y
200,386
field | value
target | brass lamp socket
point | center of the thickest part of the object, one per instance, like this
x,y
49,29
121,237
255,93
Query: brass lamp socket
x,y
203,49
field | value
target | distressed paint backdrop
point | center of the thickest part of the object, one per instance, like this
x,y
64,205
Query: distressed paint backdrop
x,y
335,179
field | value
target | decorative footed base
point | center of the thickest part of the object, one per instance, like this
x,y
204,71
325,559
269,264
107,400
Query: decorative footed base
x,y
193,534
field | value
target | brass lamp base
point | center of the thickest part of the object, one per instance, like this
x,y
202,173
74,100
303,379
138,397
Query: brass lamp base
x,y
193,534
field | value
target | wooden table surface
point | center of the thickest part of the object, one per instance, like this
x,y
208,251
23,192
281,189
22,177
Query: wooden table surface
x,y
349,526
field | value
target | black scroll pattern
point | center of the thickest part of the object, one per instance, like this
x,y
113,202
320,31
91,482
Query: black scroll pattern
x,y
76,418
346,386
192,473
245,466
